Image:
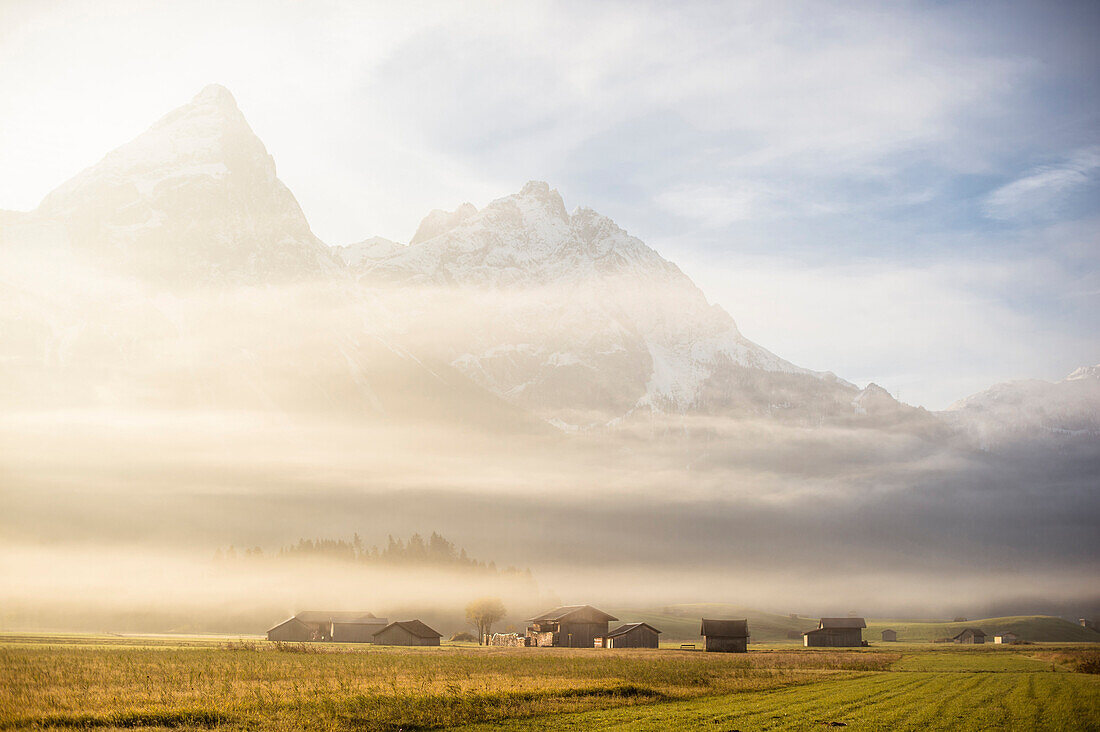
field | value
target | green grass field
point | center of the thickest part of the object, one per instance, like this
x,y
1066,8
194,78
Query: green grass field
x,y
110,682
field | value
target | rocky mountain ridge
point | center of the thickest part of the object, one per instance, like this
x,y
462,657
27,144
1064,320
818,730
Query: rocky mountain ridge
x,y
561,314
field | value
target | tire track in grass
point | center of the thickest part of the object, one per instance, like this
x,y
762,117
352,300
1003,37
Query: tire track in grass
x,y
877,701
844,704
946,692
822,703
894,710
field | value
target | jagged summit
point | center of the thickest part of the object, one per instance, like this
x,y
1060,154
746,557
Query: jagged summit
x,y
538,194
215,94
873,400
1084,372
439,222
538,188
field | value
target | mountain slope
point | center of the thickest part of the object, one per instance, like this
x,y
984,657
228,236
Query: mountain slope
x,y
569,315
1032,411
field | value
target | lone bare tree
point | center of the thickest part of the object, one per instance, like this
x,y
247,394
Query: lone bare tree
x,y
482,613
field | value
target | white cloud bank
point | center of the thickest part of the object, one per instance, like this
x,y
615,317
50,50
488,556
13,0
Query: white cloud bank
x,y
1039,193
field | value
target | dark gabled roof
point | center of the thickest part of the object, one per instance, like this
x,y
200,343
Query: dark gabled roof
x,y
288,621
724,628
329,616
413,627
842,623
561,613
624,629
972,631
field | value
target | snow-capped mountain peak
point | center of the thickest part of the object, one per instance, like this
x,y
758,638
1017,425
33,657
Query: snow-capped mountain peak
x,y
601,325
194,198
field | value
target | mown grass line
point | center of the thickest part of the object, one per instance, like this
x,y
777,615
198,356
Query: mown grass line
x,y
926,707
879,701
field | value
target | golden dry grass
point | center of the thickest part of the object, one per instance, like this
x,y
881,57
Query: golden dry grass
x,y
255,686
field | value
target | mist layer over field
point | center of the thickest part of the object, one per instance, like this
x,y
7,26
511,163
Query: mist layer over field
x,y
113,516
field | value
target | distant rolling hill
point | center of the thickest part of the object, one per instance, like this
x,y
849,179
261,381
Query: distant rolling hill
x,y
1039,628
680,623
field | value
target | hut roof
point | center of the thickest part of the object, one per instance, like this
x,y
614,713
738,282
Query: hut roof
x,y
566,611
842,623
288,621
973,631
725,628
624,629
413,627
329,616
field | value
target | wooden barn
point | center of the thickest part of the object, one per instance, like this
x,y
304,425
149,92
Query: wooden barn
x,y
569,626
725,636
889,635
325,625
970,635
1005,638
835,633
631,635
407,633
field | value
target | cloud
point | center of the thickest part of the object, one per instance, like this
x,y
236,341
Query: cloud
x,y
1042,191
716,206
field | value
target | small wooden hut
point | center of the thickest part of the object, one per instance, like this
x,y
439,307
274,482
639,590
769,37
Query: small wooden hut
x,y
725,636
836,633
970,635
631,635
889,635
407,633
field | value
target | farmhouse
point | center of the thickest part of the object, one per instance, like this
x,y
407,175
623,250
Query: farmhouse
x,y
970,635
836,632
725,636
569,626
631,635
407,633
326,625
1005,638
889,635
